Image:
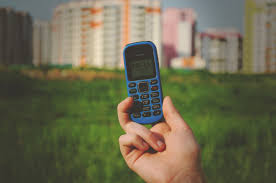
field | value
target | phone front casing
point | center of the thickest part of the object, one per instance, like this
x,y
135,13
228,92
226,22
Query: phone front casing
x,y
153,118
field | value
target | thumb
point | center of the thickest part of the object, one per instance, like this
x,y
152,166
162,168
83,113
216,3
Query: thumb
x,y
172,116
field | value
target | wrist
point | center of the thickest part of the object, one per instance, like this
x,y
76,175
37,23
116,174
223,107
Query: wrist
x,y
194,176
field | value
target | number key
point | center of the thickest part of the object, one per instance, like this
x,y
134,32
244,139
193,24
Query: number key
x,y
155,100
146,108
154,88
158,106
156,113
133,91
155,94
147,114
136,115
135,97
146,102
144,96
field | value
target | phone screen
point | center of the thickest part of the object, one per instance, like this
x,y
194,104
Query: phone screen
x,y
141,69
140,63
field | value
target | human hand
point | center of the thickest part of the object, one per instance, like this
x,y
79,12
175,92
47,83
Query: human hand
x,y
176,155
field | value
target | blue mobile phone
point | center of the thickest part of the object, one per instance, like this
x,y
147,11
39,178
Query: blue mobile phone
x,y
143,82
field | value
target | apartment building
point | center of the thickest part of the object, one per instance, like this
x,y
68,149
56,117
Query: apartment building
x,y
259,54
41,43
222,50
15,37
179,33
95,32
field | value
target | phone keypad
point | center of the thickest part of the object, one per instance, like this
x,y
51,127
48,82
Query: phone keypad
x,y
146,99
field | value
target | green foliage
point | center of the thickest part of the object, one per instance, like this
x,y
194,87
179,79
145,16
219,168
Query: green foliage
x,y
67,131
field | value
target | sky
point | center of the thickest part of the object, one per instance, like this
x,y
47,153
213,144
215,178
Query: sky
x,y
211,13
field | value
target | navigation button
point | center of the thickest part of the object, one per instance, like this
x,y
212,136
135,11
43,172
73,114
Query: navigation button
x,y
135,97
143,87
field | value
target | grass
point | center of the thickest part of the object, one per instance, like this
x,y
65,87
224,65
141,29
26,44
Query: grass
x,y
67,131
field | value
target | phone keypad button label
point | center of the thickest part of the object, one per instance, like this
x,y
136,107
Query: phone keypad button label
x,y
156,113
158,106
135,97
153,82
146,108
155,94
146,102
147,114
133,91
132,85
144,96
154,88
155,100
136,115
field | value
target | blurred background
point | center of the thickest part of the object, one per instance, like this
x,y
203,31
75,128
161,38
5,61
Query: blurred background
x,y
62,76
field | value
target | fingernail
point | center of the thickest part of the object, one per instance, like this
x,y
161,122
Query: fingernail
x,y
160,143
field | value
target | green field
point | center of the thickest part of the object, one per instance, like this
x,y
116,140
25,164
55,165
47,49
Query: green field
x,y
67,131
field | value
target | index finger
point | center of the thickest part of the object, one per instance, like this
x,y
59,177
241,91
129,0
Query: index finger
x,y
123,111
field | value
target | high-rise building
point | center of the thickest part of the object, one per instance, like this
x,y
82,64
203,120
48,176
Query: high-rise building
x,y
95,32
222,50
179,31
41,43
15,37
259,54
192,62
